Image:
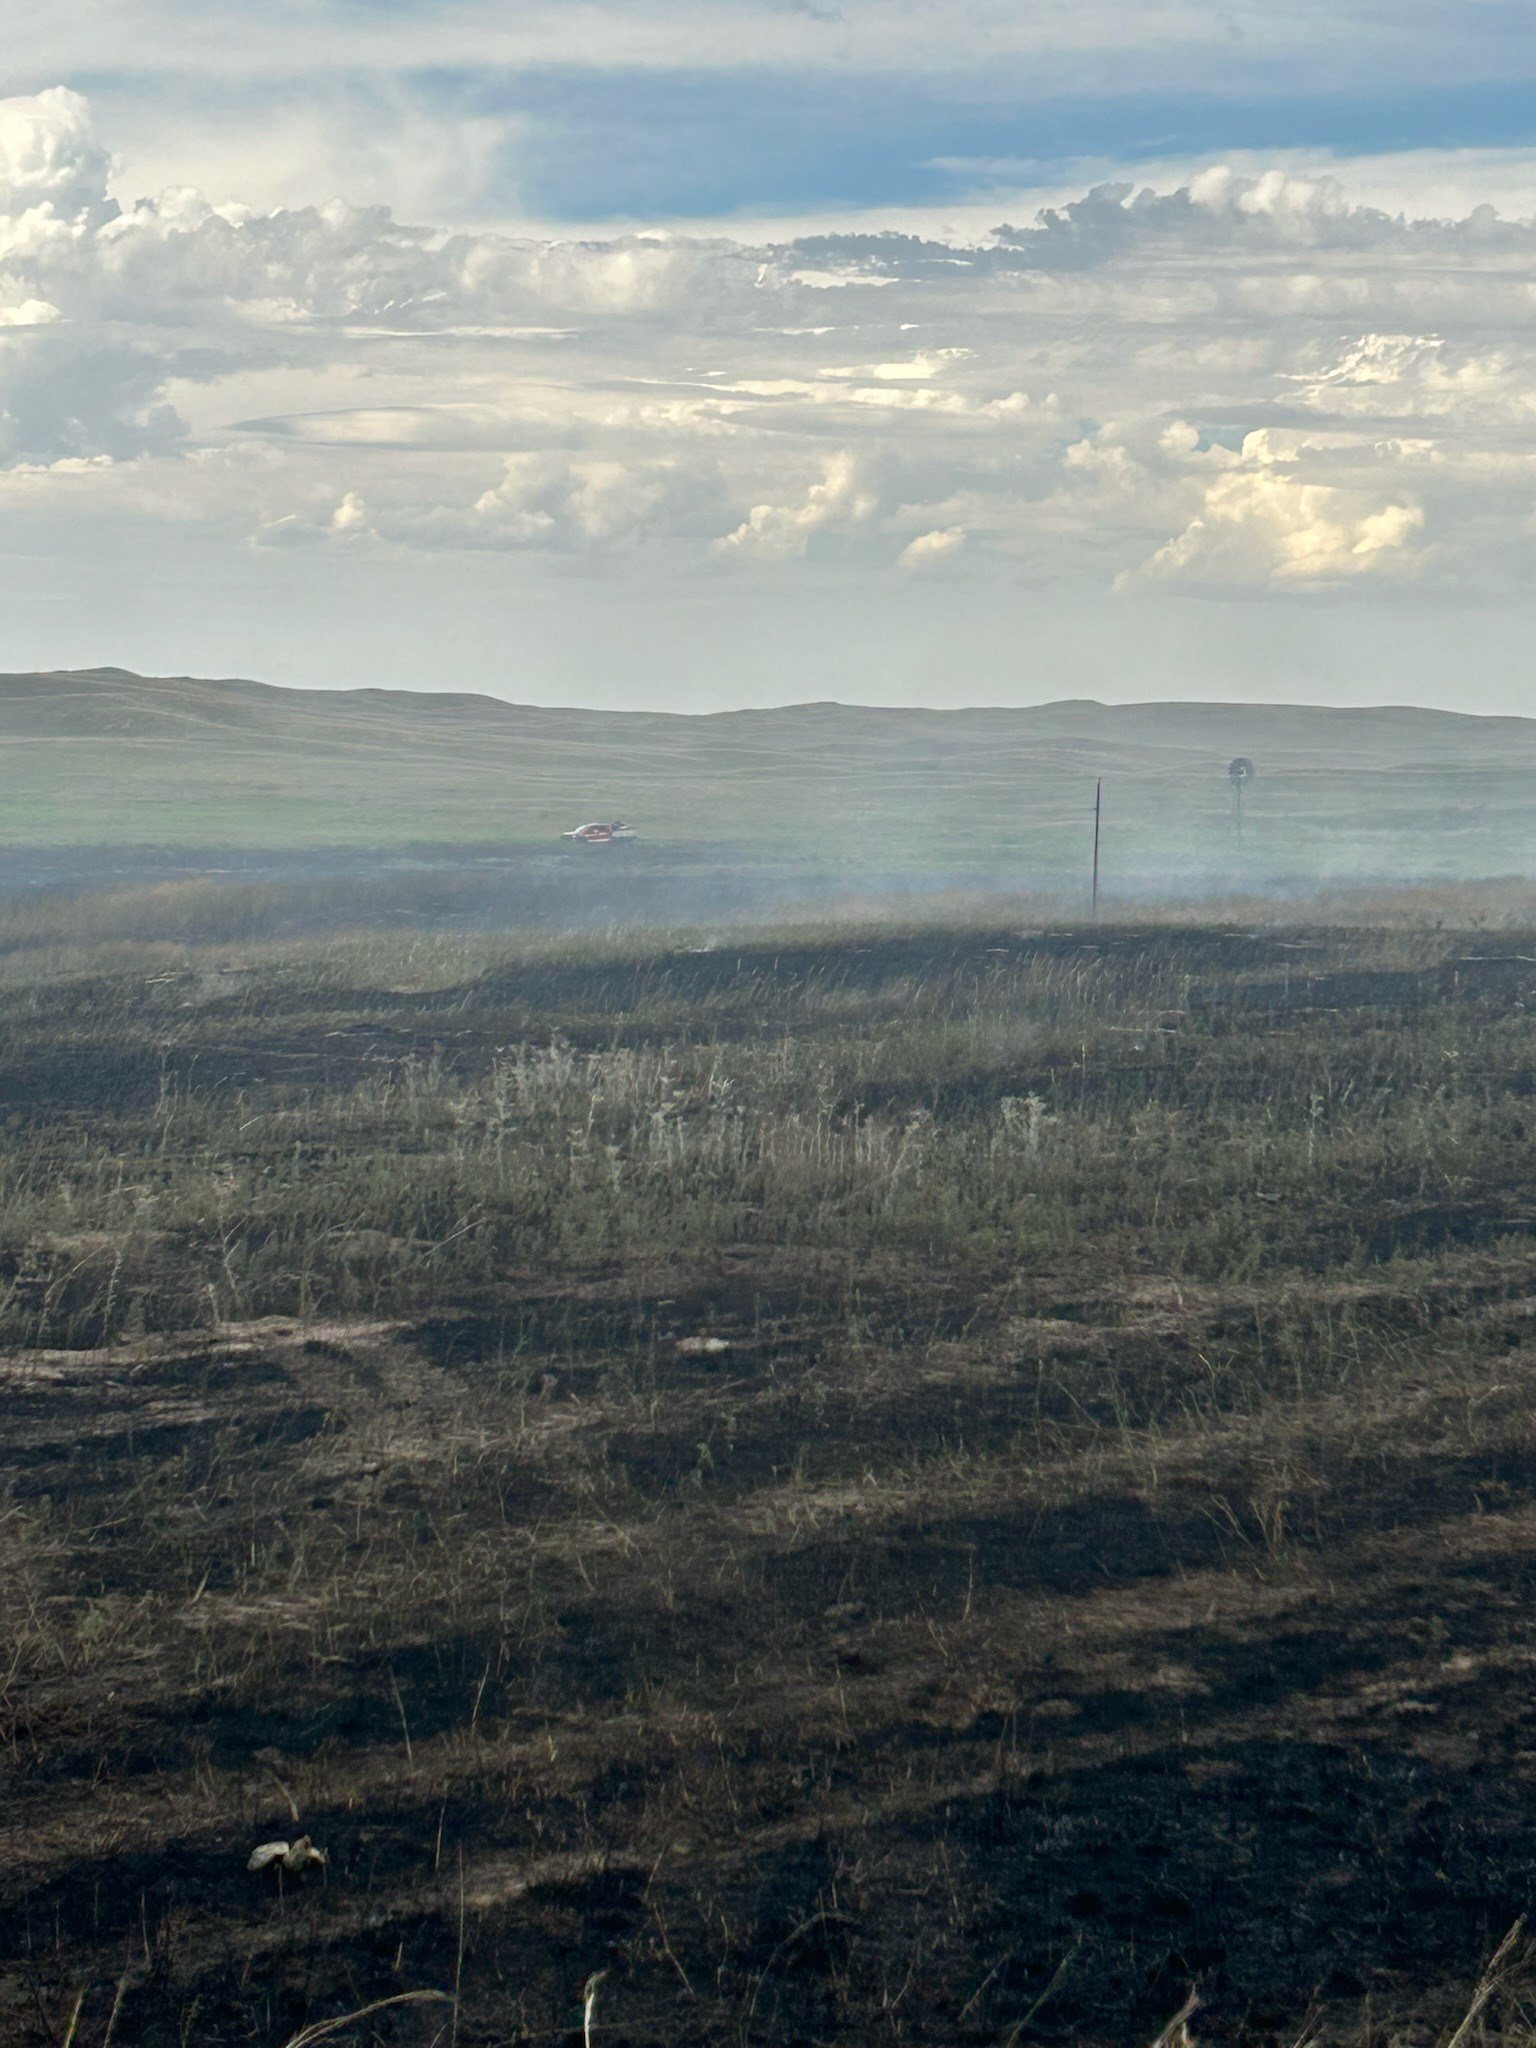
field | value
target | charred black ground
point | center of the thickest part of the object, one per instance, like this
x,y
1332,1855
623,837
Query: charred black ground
x,y
930,1486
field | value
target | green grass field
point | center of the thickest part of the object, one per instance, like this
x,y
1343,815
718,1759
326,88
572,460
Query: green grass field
x,y
109,759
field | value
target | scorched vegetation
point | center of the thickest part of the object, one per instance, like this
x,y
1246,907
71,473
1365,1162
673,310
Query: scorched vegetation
x,y
942,1486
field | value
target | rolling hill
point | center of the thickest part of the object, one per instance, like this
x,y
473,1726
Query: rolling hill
x,y
104,758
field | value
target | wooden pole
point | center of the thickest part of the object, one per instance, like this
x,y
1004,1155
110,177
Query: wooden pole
x,y
1098,812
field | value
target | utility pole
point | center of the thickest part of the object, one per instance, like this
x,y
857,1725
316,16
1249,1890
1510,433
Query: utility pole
x,y
1098,812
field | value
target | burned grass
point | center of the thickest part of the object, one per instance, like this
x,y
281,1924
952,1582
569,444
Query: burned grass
x,y
946,1488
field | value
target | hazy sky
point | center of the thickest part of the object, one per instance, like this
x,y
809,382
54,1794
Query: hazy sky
x,y
705,352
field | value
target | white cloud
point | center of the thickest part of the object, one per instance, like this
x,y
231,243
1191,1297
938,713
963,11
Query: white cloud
x,y
1261,528
28,313
549,498
1418,376
1247,382
929,549
350,516
550,503
382,142
50,159
993,45
909,370
774,532
71,394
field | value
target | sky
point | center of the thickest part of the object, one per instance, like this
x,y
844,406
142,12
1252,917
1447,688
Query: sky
x,y
701,353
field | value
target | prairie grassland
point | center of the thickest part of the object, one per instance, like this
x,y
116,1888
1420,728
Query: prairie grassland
x,y
918,1484
135,762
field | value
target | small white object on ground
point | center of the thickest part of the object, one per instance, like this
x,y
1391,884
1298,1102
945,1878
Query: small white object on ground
x,y
589,2005
294,1856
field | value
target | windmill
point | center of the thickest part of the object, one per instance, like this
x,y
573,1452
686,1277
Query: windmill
x,y
1239,774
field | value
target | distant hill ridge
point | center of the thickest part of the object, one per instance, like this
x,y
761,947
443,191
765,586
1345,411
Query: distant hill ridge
x,y
105,757
117,702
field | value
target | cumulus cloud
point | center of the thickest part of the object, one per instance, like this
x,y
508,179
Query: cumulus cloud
x,y
1247,382
19,312
586,503
929,549
550,503
1422,376
350,516
1261,528
773,532
51,162
74,394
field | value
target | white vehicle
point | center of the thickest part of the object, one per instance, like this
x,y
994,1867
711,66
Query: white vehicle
x,y
601,835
